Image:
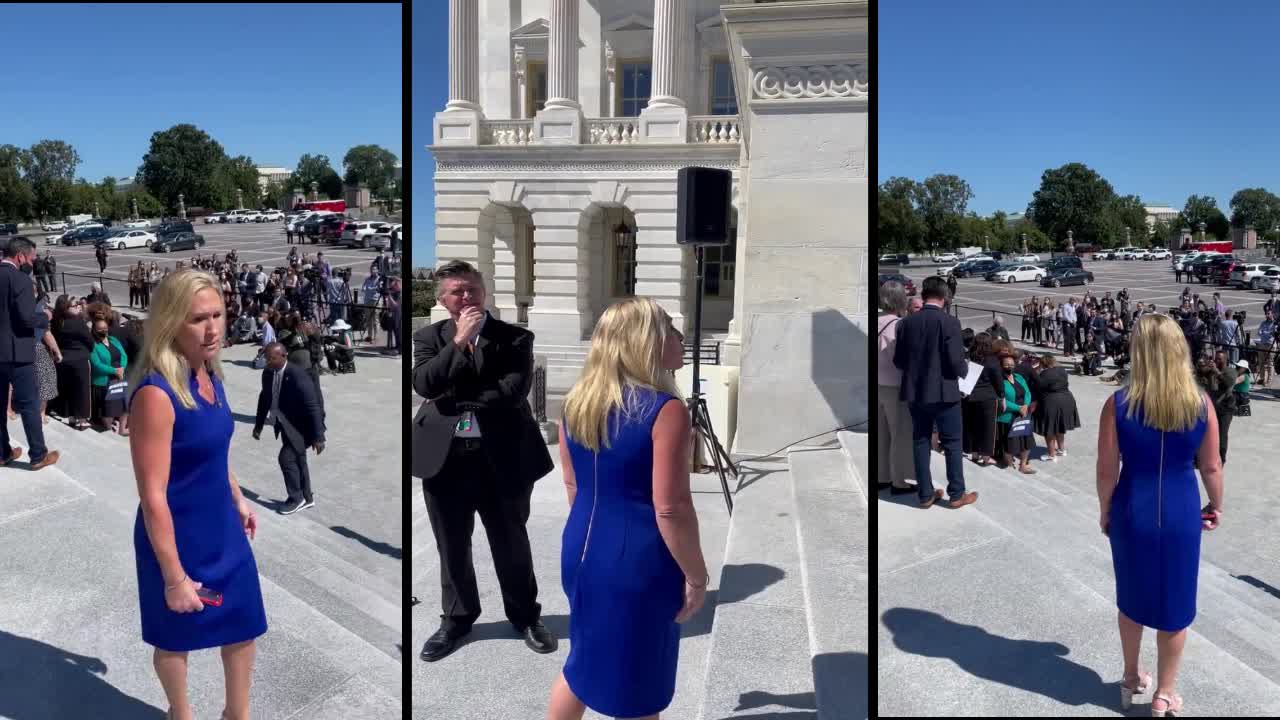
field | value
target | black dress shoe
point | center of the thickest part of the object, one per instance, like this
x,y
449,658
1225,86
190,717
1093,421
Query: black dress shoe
x,y
440,644
539,638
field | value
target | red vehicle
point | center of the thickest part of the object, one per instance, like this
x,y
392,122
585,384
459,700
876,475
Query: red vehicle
x,y
338,206
1222,246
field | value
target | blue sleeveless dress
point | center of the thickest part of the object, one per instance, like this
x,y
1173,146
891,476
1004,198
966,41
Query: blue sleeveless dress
x,y
1155,522
206,524
623,585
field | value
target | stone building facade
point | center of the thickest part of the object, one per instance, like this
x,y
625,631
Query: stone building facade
x,y
556,162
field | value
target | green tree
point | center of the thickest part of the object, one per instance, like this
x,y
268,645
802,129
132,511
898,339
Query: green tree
x,y
1202,208
237,173
182,160
148,205
1072,197
16,196
942,200
1037,240
316,168
51,167
424,297
898,225
1256,207
274,192
372,165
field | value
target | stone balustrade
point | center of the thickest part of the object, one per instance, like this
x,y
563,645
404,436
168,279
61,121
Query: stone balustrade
x,y
508,132
613,131
713,129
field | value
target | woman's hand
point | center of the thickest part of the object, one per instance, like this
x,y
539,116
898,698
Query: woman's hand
x,y
694,597
1104,521
183,598
119,373
248,520
1213,523
1023,410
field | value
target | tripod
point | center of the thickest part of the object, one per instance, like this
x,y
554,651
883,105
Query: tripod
x,y
699,418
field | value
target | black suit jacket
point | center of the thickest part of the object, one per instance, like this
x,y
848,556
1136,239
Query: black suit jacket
x,y
494,383
20,319
299,404
931,357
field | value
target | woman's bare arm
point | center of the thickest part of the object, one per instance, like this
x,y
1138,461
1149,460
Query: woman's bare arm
x,y
1108,467
150,444
672,497
1210,461
566,468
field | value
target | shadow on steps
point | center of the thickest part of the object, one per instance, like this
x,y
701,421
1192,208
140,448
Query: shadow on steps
x,y
39,681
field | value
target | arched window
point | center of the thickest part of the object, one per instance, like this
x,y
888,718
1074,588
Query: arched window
x,y
624,260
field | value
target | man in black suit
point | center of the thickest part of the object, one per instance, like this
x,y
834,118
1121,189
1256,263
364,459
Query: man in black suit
x,y
478,449
18,325
289,393
931,357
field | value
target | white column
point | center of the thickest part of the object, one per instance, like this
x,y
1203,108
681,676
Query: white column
x,y
562,65
522,87
666,55
611,69
464,55
666,119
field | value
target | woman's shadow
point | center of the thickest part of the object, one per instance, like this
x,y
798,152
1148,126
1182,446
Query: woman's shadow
x,y
39,681
1030,665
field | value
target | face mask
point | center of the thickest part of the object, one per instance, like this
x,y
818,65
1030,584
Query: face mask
x,y
100,334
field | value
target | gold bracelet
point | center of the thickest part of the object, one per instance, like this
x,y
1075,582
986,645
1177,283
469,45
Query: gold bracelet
x,y
175,586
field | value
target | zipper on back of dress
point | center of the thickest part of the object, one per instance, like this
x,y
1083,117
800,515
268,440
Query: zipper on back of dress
x,y
595,496
1160,484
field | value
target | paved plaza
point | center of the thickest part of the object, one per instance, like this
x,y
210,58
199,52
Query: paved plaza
x,y
262,244
331,575
1148,281
1007,606
782,635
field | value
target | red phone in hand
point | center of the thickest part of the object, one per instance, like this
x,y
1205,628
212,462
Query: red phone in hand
x,y
209,597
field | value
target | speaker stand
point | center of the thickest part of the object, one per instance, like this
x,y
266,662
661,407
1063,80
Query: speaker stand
x,y
699,418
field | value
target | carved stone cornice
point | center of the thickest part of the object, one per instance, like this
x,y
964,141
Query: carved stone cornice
x,y
838,80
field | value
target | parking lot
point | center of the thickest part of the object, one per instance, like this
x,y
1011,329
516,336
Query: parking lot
x,y
1148,281
255,243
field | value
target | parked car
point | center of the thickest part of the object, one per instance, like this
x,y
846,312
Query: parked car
x,y
52,226
8,228
127,238
1158,254
215,218
382,240
138,224
907,285
947,257
1125,253
1221,273
357,234
85,235
1026,258
328,228
1249,274
183,240
1061,262
271,216
1020,273
894,259
1270,281
1207,270
298,222
1139,254
991,275
975,268
1067,276
173,226
1107,254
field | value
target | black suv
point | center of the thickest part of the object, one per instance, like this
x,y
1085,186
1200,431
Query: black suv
x,y
1061,262
85,236
1207,269
894,259
8,228
171,227
976,268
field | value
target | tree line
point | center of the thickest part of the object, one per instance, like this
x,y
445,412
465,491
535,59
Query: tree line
x,y
39,183
932,215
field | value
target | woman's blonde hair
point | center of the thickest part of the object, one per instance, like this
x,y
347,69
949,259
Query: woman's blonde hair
x,y
626,350
1161,384
170,306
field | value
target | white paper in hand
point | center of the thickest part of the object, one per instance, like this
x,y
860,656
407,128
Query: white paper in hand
x,y
970,381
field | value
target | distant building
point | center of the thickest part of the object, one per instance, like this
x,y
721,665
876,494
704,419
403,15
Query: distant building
x,y
269,173
1159,212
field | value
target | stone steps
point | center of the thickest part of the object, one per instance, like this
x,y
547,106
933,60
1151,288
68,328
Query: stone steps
x,y
1231,614
292,551
78,594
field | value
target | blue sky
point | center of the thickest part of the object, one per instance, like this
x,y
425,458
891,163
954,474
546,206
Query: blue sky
x,y
1164,99
105,77
430,77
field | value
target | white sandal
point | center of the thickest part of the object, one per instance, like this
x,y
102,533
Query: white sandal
x,y
1127,693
